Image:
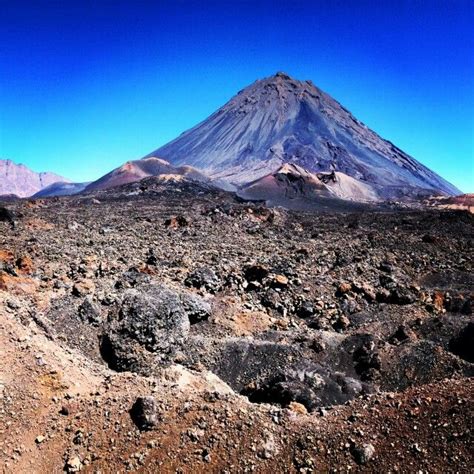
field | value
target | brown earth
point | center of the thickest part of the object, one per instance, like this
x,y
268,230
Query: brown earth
x,y
364,317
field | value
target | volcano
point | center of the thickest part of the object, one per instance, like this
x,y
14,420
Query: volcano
x,y
280,120
293,187
136,170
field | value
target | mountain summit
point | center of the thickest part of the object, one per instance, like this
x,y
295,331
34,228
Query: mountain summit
x,y
281,120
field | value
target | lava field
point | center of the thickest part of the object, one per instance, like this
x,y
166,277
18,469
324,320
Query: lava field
x,y
174,327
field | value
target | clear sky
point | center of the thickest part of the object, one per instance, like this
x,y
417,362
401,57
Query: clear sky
x,y
86,85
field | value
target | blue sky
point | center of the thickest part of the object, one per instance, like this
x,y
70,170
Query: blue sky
x,y
87,85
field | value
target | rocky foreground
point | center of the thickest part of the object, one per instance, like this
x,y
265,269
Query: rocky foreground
x,y
171,327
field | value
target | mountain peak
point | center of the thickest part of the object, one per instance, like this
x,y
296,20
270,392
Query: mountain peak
x,y
279,120
283,75
279,92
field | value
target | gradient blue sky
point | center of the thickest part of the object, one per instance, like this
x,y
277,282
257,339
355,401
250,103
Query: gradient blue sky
x,y
87,85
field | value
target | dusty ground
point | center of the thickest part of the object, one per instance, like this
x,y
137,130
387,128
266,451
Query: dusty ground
x,y
270,341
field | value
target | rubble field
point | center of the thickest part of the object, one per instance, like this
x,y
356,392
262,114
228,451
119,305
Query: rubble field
x,y
173,327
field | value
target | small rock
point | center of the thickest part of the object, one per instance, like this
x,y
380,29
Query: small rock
x,y
145,413
83,288
73,464
363,454
343,288
305,309
89,312
428,239
297,408
367,290
280,281
151,259
7,216
402,296
203,278
341,323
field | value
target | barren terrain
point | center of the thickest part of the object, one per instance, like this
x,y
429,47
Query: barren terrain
x,y
172,327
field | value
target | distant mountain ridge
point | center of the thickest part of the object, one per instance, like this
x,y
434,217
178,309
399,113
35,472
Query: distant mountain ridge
x,y
281,120
20,180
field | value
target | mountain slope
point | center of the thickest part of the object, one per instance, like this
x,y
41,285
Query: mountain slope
x,y
20,180
60,188
295,188
281,120
136,170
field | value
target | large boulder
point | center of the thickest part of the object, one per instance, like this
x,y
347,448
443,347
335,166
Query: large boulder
x,y
151,324
312,385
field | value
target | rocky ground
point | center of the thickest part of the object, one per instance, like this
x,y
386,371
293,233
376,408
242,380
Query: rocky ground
x,y
170,327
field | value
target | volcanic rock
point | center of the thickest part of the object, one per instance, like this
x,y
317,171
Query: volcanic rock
x,y
145,412
363,453
232,370
463,343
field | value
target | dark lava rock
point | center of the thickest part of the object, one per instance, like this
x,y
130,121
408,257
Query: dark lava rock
x,y
203,278
349,306
151,324
145,413
124,355
89,312
256,273
428,239
367,361
363,454
386,267
387,281
399,295
458,303
7,216
402,334
153,316
242,362
305,309
7,267
151,258
312,386
195,307
463,344
131,278
271,299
